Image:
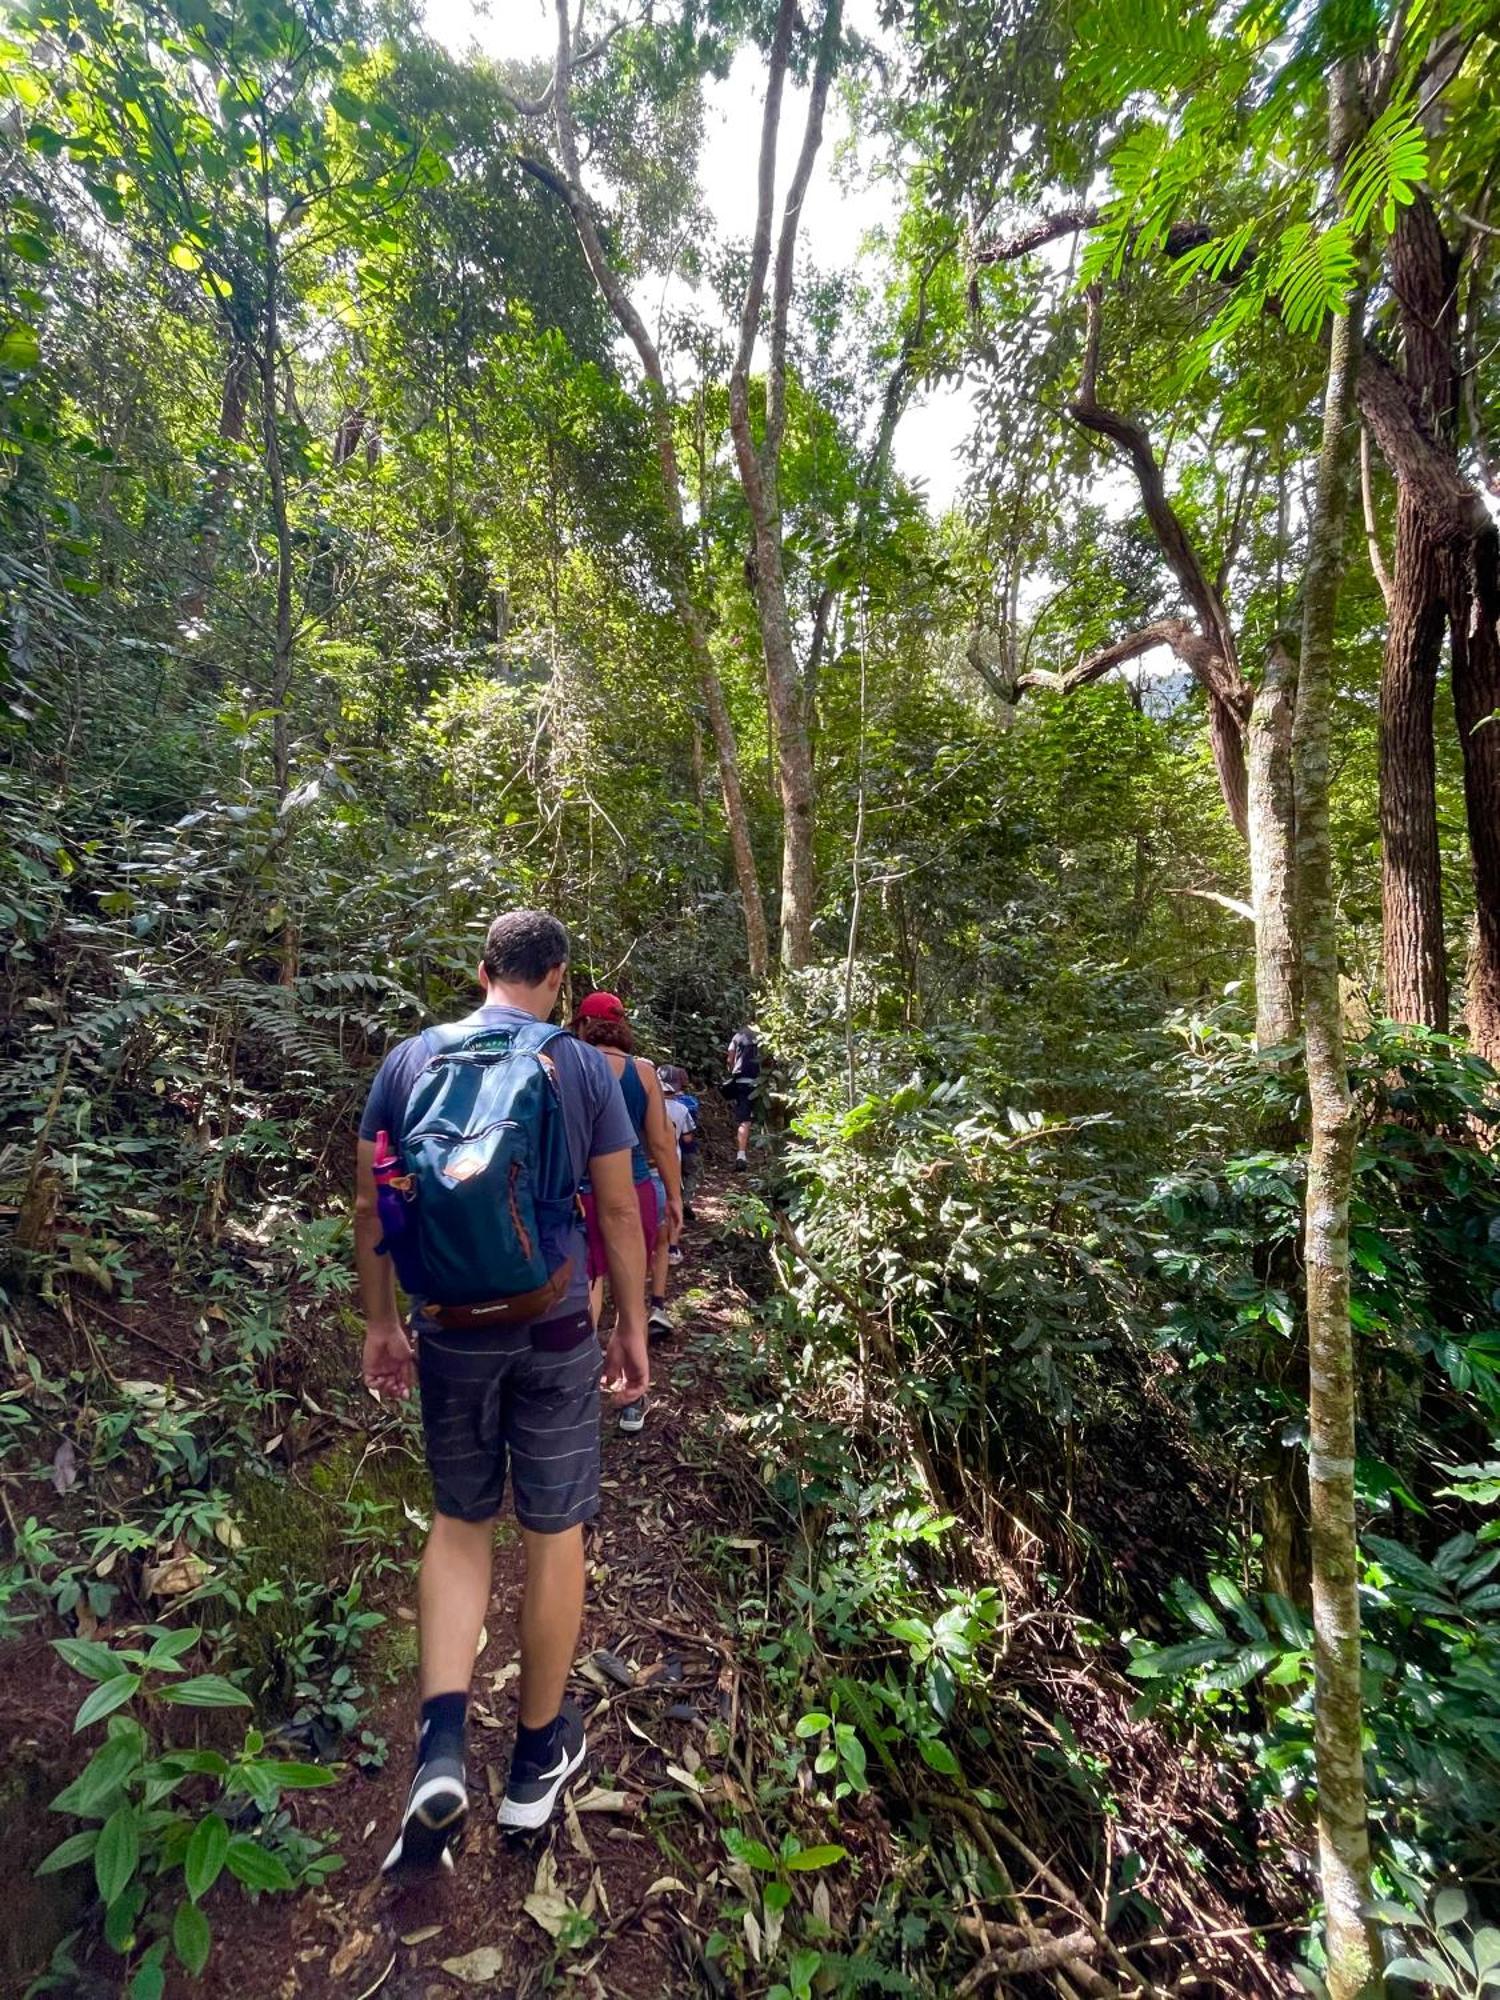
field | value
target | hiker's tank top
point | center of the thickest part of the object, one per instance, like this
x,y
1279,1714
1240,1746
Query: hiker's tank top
x,y
634,1093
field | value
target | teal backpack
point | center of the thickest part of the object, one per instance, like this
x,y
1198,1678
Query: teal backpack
x,y
489,1178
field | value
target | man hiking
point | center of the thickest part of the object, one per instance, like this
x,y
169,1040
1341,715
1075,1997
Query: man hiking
x,y
471,1148
742,1059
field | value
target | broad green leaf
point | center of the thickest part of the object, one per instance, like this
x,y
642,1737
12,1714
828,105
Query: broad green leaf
x,y
206,1849
254,1865
68,1853
808,1858
302,1777
754,1853
108,1696
192,1939
938,1757
117,1852
91,1794
205,1691
87,1656
20,347
813,1723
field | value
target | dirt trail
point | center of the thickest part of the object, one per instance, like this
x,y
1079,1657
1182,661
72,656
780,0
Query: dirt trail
x,y
657,1673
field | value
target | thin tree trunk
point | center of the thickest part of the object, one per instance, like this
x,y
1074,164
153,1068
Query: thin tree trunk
x,y
568,186
1411,893
1271,813
760,470
1475,630
285,640
1343,1831
233,402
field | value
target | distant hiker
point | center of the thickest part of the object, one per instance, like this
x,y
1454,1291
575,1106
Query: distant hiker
x,y
601,1021
471,1148
682,1109
742,1087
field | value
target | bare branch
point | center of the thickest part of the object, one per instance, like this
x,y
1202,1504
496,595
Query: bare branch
x,y
1367,499
791,218
1173,632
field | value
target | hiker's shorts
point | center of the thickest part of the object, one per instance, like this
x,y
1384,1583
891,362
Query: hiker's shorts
x,y
651,1199
524,1395
743,1093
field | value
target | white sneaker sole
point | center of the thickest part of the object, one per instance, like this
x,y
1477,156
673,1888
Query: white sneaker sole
x,y
525,1816
629,1426
434,1816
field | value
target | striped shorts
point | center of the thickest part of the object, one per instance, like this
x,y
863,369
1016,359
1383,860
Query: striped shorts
x,y
526,1396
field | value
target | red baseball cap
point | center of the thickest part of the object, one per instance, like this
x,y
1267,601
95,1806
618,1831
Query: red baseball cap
x,y
601,1007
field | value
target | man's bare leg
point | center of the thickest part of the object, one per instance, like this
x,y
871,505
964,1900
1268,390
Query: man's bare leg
x,y
453,1598
453,1595
551,1619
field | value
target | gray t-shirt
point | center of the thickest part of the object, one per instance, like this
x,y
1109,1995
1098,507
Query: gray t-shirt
x,y
594,1114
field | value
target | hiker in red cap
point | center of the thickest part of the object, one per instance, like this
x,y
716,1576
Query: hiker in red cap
x,y
601,1021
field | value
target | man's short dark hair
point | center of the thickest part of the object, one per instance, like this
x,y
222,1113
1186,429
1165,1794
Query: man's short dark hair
x,y
523,946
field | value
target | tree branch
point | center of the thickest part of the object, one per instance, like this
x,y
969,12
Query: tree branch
x,y
791,218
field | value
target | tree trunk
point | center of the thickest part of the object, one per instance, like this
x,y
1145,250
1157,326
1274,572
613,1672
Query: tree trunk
x,y
285,639
568,185
1411,893
760,469
1271,815
233,402
1475,637
1343,1831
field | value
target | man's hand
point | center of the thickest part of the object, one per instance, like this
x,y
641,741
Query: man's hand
x,y
674,1217
388,1360
627,1368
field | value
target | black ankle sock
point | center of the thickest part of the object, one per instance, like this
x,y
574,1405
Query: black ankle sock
x,y
442,1733
536,1746
658,1302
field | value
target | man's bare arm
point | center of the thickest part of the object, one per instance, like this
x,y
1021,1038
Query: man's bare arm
x,y
627,1369
387,1355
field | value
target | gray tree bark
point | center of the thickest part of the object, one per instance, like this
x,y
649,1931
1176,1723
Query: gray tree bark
x,y
1343,1832
759,467
1272,830
567,183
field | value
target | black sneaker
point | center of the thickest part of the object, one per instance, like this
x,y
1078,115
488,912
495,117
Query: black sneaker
x,y
436,1809
531,1793
659,1322
741,1164
633,1416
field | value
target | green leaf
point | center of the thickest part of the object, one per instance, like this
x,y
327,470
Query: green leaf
x,y
938,1757
253,1865
1450,1907
108,1696
813,1723
206,1691
150,1980
185,257
192,1939
1427,1970
911,1631
1486,1948
302,1777
20,347
118,1851
808,1858
121,1917
776,1896
207,1846
91,1793
77,1847
87,1656
754,1853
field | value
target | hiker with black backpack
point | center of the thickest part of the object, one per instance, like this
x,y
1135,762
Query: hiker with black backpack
x,y
742,1087
472,1145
